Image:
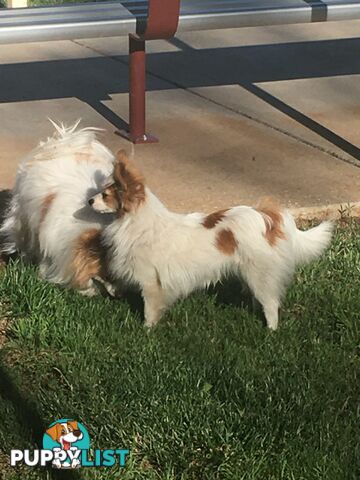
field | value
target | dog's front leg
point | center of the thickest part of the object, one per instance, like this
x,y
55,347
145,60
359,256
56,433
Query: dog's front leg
x,y
56,463
75,462
154,304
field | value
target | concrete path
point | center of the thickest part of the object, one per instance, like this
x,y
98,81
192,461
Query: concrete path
x,y
240,113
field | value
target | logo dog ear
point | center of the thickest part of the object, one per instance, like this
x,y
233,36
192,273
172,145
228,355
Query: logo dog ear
x,y
53,432
73,424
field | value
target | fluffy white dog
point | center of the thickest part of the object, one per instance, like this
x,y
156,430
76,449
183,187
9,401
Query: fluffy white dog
x,y
49,221
168,255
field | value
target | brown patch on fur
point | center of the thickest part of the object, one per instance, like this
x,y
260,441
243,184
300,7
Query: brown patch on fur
x,y
88,157
89,258
45,206
211,220
83,157
226,242
129,182
271,213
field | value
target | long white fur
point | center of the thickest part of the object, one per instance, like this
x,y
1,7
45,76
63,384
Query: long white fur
x,y
73,165
169,255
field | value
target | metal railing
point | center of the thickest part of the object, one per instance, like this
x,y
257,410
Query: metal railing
x,y
216,14
67,22
117,18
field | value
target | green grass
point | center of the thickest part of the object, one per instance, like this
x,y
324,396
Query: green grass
x,y
208,394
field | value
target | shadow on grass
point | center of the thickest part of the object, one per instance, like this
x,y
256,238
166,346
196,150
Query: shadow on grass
x,y
26,412
5,196
31,421
230,292
235,293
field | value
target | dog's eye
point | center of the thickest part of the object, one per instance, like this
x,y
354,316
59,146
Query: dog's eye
x,y
63,431
104,195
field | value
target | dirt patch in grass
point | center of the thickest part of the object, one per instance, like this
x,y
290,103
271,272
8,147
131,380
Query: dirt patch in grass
x,y
4,324
5,469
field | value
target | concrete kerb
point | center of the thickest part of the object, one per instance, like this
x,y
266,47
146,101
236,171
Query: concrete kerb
x,y
327,212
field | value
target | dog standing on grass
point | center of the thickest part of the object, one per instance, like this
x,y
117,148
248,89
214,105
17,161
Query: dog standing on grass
x,y
49,221
169,255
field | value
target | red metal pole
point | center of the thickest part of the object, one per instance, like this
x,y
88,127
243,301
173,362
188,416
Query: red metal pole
x,y
163,19
137,79
162,22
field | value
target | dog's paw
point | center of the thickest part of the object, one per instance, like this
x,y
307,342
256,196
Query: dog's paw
x,y
75,463
56,463
89,292
106,288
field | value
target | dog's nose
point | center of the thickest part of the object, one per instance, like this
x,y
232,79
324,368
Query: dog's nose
x,y
77,433
91,201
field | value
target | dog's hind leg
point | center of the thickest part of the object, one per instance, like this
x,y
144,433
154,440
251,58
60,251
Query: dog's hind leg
x,y
271,311
267,290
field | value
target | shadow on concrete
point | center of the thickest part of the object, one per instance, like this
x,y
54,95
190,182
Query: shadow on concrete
x,y
95,79
306,121
319,10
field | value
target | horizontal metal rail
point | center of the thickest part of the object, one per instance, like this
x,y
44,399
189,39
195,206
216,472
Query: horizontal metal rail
x,y
116,18
66,22
216,14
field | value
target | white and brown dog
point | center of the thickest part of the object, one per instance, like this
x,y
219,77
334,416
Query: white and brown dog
x,y
49,221
65,433
168,255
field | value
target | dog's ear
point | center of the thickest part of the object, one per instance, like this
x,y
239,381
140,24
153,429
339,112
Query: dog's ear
x,y
125,172
73,424
122,158
54,431
129,181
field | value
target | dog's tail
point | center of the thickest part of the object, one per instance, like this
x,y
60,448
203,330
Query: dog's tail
x,y
310,244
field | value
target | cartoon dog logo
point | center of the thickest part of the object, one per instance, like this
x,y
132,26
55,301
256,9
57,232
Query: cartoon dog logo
x,y
66,433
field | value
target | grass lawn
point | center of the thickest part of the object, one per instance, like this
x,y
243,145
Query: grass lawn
x,y
208,394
